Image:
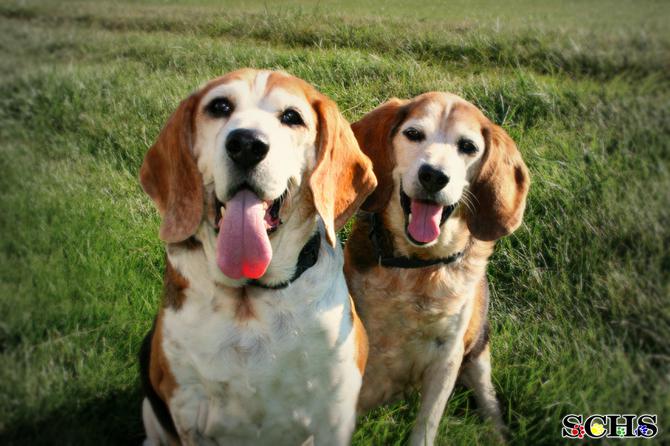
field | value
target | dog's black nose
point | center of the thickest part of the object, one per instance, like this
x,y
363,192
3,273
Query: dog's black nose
x,y
246,147
432,179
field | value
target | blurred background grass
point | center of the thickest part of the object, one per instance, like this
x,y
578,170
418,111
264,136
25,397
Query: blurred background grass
x,y
580,308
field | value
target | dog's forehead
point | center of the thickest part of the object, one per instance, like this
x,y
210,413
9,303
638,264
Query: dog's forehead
x,y
447,110
464,113
280,81
257,85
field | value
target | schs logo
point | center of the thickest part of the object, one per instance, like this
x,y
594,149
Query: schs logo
x,y
610,426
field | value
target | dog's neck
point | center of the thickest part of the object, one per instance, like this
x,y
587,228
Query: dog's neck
x,y
454,235
288,242
457,279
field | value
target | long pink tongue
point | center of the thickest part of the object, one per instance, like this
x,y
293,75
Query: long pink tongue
x,y
425,224
243,248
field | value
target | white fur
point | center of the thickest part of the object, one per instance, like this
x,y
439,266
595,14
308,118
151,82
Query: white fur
x,y
155,433
287,374
291,148
292,152
439,149
415,359
280,377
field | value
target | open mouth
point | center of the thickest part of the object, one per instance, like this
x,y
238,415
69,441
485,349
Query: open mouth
x,y
271,217
243,248
423,218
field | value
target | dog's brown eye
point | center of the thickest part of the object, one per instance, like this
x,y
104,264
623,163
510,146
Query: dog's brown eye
x,y
466,146
291,117
413,134
220,107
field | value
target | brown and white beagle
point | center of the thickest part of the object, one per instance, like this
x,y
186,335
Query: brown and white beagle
x,y
450,184
257,340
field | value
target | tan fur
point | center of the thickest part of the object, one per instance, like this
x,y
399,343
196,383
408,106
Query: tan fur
x,y
161,376
245,309
373,133
169,174
398,307
421,323
174,286
475,329
178,174
343,177
361,339
501,187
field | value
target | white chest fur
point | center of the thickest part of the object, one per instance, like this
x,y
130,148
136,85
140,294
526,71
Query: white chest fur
x,y
281,375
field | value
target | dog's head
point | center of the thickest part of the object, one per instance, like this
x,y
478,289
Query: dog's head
x,y
244,154
437,153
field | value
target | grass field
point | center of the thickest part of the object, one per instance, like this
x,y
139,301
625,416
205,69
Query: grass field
x,y
581,293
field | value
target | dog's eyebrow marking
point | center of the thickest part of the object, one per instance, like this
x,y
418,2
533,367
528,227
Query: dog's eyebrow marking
x,y
260,84
457,110
452,112
465,119
425,114
446,112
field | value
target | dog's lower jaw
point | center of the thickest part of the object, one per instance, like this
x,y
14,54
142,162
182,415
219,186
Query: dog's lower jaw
x,y
287,243
407,203
453,236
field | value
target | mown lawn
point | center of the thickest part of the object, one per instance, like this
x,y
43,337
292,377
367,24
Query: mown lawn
x,y
580,308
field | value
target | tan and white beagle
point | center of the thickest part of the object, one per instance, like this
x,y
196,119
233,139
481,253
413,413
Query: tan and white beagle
x,y
450,184
257,340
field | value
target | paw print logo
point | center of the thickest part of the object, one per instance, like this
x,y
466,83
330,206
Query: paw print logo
x,y
578,431
597,429
641,430
621,431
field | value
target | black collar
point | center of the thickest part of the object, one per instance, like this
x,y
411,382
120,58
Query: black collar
x,y
381,243
306,259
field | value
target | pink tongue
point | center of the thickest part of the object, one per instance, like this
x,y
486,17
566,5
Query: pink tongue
x,y
243,248
425,224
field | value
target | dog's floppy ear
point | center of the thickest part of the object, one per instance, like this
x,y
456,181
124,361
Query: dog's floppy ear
x,y
374,133
500,188
343,175
169,175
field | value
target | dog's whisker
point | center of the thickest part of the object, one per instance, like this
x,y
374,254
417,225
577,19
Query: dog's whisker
x,y
467,200
471,195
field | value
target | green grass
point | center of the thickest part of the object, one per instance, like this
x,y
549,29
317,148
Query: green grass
x,y
580,308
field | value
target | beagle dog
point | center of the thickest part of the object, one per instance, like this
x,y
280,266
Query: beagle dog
x,y
450,183
257,340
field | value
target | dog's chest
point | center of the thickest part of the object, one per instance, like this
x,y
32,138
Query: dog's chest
x,y
262,369
411,319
